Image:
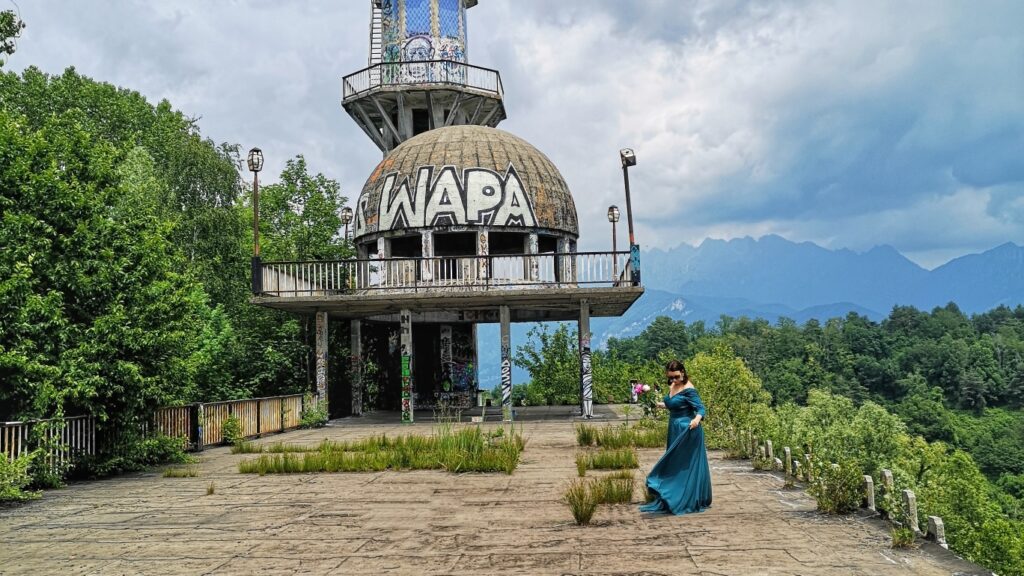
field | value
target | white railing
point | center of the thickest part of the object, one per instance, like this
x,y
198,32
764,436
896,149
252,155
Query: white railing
x,y
422,72
586,269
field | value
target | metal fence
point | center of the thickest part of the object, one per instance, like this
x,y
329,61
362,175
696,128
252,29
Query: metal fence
x,y
422,72
198,425
64,439
589,269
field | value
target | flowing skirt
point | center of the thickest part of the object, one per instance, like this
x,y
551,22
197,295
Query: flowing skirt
x,y
680,482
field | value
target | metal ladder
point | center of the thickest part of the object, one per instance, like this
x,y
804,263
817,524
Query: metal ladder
x,y
376,42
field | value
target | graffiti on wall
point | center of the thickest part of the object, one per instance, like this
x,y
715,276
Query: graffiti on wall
x,y
458,372
476,197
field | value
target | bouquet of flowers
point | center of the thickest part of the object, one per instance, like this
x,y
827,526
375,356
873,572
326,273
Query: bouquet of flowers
x,y
646,396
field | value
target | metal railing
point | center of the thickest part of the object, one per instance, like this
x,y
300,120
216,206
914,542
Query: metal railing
x,y
64,439
198,425
473,273
422,72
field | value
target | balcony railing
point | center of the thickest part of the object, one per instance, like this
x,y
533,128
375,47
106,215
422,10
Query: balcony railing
x,y
464,273
422,72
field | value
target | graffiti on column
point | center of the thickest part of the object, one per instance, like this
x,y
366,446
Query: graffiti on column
x,y
586,376
427,247
506,380
405,336
446,344
483,250
634,262
321,356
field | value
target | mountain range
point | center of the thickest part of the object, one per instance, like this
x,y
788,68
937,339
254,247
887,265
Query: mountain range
x,y
772,277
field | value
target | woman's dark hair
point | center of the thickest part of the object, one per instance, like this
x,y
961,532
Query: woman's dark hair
x,y
677,366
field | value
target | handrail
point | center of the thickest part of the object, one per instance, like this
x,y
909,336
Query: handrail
x,y
418,72
473,273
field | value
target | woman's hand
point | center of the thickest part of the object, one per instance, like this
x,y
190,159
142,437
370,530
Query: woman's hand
x,y
659,404
695,422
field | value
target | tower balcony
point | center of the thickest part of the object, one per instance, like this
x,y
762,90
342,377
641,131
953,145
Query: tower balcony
x,y
394,101
539,287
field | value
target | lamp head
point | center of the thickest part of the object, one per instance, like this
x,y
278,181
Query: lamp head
x,y
613,214
255,160
346,215
628,157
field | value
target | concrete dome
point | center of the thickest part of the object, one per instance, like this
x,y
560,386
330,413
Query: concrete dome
x,y
466,177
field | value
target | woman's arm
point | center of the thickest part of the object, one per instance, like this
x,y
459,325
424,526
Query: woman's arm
x,y
698,407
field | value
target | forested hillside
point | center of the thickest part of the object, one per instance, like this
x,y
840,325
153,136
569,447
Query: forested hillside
x,y
936,396
124,268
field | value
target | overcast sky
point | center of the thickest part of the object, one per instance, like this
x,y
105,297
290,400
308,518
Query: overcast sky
x,y
849,124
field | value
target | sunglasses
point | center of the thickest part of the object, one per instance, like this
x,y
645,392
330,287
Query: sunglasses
x,y
672,379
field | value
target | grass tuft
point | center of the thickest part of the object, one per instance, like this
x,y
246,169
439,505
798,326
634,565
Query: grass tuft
x,y
582,501
187,472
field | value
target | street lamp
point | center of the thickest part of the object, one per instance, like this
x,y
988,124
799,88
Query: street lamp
x,y
628,158
346,217
255,162
613,217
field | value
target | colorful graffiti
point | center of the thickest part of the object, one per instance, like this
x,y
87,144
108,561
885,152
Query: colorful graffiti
x,y
321,356
405,331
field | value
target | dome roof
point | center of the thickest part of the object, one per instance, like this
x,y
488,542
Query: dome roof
x,y
465,177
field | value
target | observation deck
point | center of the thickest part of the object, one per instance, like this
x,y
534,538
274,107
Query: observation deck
x,y
541,287
393,101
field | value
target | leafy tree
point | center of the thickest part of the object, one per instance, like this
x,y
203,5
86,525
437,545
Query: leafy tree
x,y
553,362
10,29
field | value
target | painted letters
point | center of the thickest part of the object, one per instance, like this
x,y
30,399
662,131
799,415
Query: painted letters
x,y
443,197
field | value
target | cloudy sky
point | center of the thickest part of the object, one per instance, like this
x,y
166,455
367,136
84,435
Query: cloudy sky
x,y
849,124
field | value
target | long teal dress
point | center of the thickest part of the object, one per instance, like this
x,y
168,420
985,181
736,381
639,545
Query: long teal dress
x,y
680,482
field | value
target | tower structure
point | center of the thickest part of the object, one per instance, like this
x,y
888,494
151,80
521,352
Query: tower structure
x,y
419,77
460,224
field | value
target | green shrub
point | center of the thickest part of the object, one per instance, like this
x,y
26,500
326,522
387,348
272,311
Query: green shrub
x,y
837,489
313,416
231,430
15,479
187,472
616,488
902,537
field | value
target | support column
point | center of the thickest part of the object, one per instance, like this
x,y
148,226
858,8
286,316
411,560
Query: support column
x,y
505,316
482,251
532,263
586,375
321,358
427,265
356,348
405,333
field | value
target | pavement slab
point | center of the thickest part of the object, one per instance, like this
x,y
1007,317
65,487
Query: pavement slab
x,y
433,522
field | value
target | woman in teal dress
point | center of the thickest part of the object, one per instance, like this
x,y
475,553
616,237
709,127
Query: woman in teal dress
x,y
680,482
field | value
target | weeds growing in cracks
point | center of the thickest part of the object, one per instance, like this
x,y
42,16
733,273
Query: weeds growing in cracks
x,y
451,448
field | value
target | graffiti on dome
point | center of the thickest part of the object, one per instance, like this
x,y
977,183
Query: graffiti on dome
x,y
444,197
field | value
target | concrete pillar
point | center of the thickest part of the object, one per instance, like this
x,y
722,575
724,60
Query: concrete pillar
x,y
777,464
586,371
937,531
869,492
427,264
532,263
505,316
405,341
386,274
356,366
321,357
771,450
887,490
482,251
910,511
788,460
810,469
563,261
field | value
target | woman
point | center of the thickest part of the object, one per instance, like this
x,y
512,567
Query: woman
x,y
681,481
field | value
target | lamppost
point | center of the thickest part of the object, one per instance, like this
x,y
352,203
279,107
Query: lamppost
x,y
346,217
613,217
628,158
255,162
